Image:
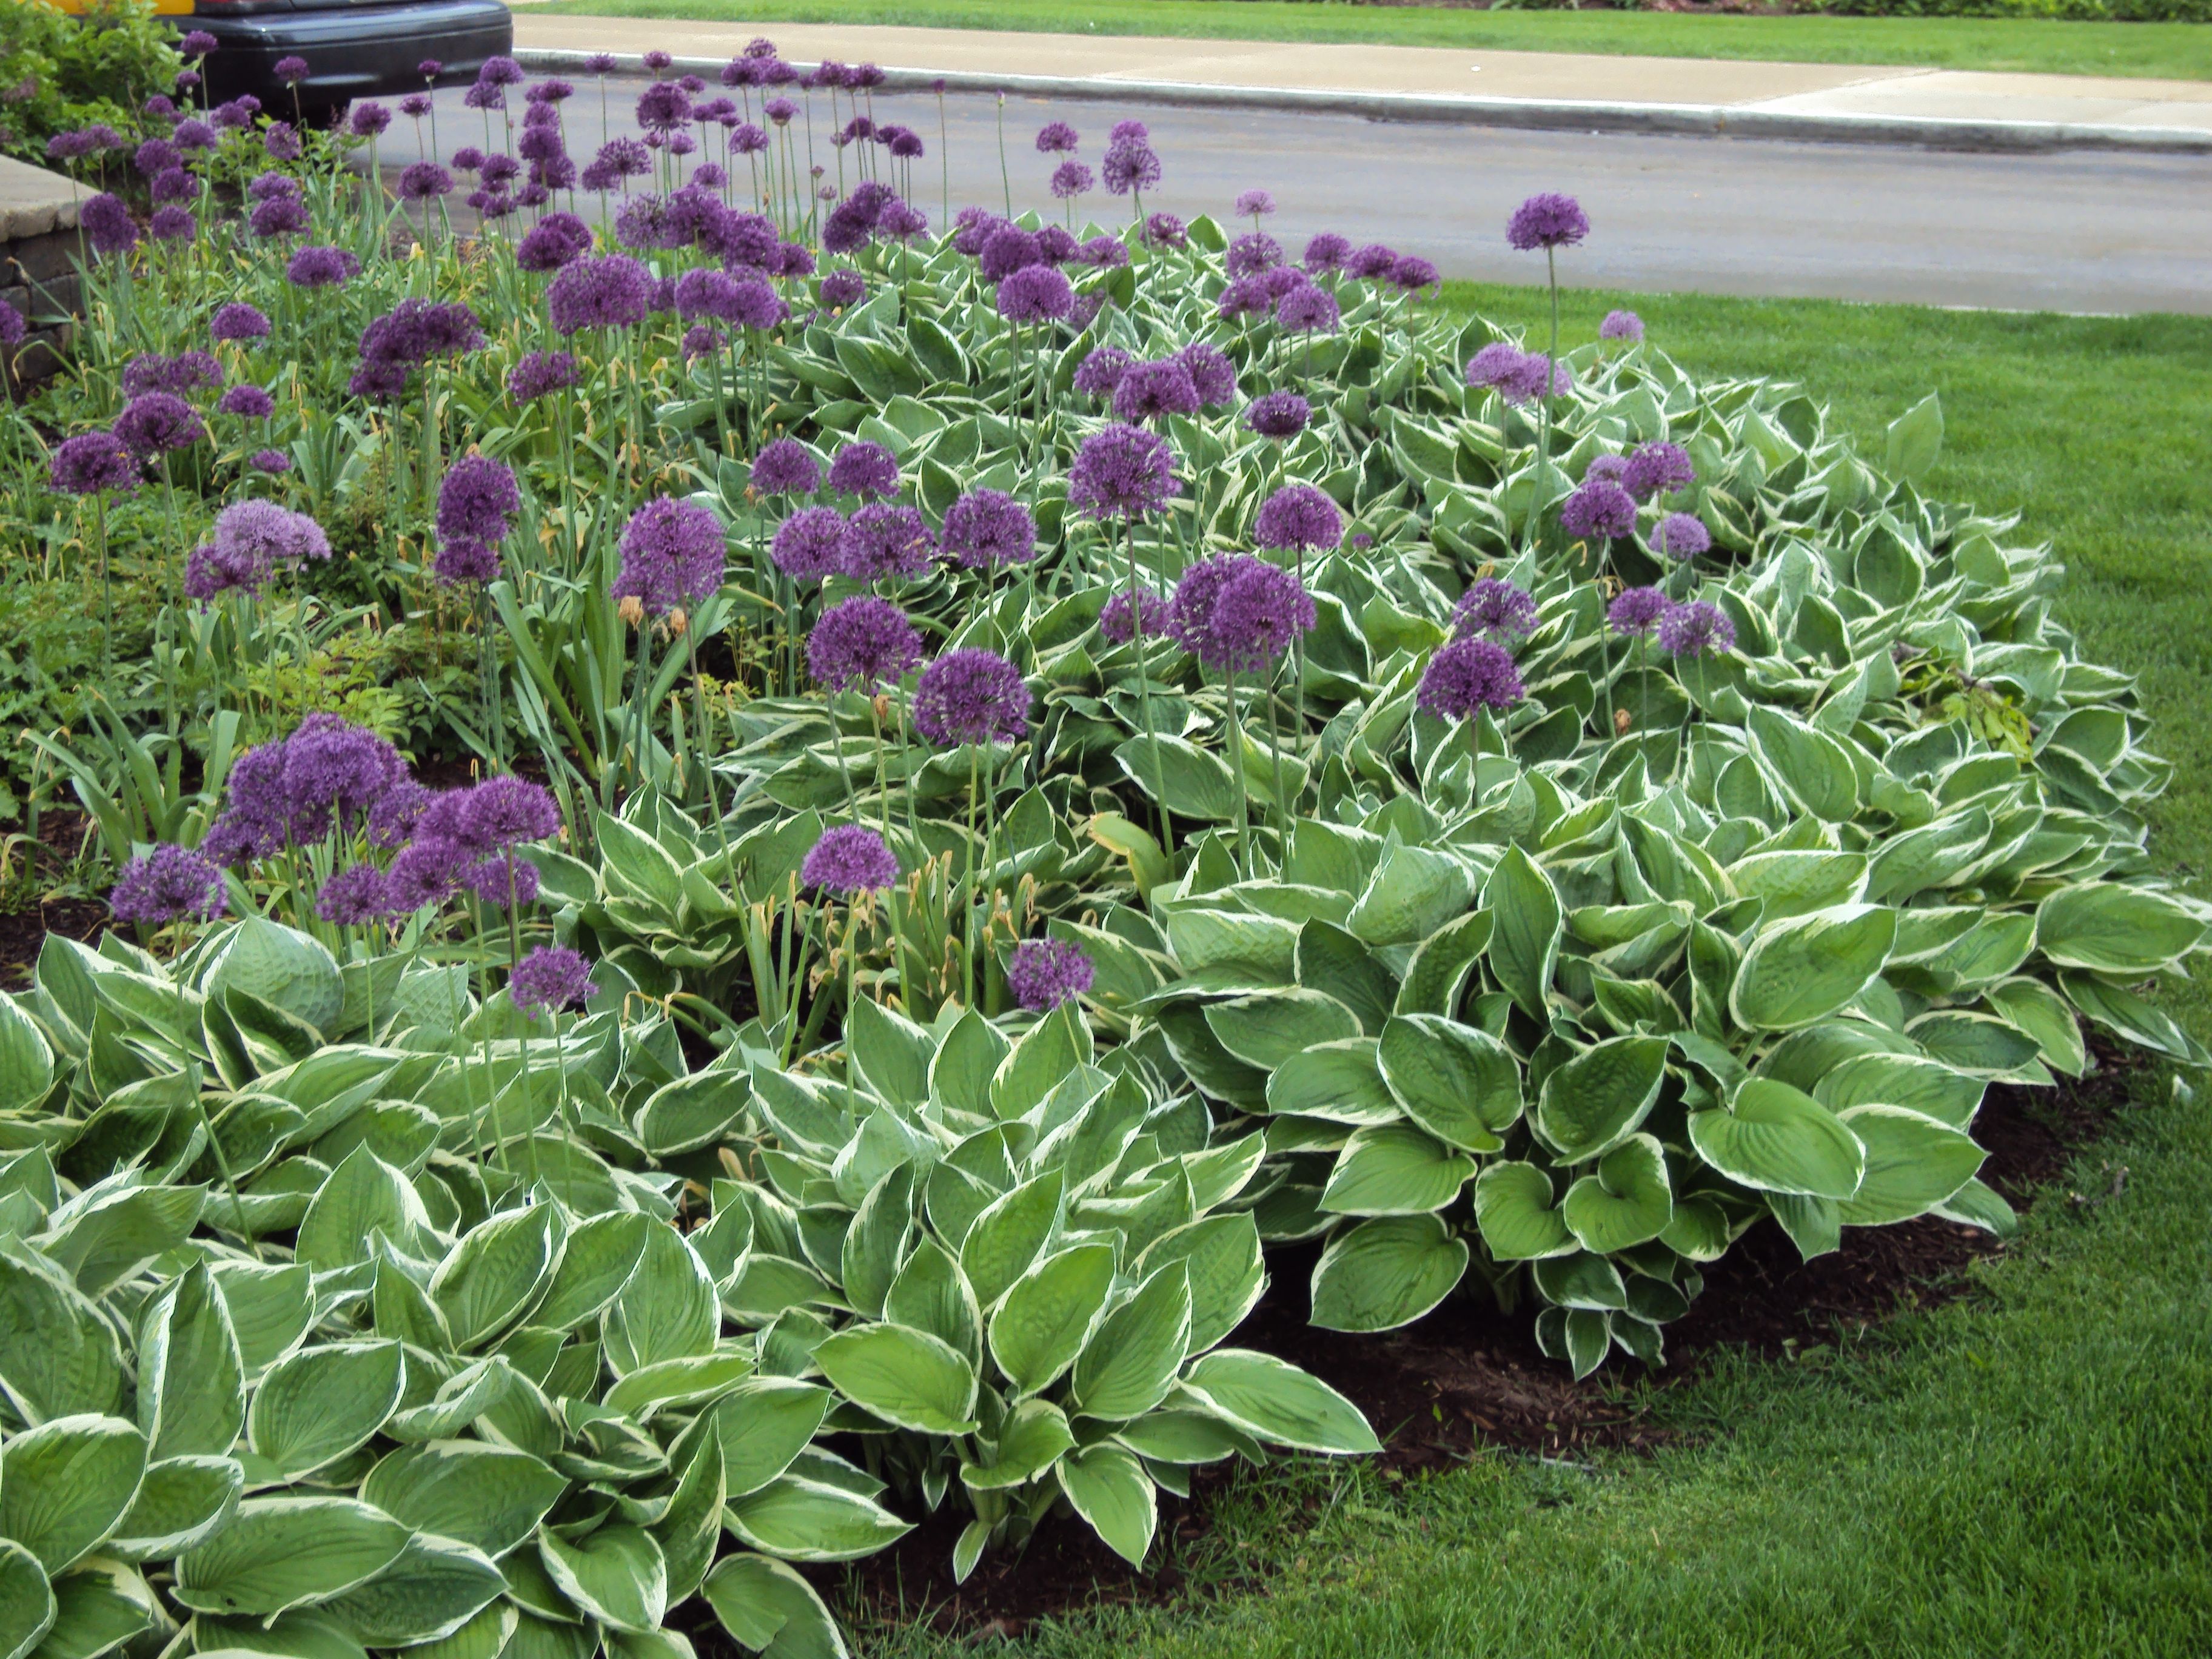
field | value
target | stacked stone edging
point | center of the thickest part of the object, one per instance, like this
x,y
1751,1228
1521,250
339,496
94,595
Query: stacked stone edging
x,y
37,258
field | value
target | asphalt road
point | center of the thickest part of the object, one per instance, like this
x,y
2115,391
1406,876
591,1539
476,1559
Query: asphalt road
x,y
2083,231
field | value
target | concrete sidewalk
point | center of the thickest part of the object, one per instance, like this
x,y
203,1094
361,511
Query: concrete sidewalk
x,y
1948,108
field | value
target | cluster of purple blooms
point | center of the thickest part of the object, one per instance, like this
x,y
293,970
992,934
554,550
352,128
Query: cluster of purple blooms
x,y
1697,628
251,542
1239,614
167,884
849,861
1517,376
1605,505
1045,973
478,500
412,333
673,556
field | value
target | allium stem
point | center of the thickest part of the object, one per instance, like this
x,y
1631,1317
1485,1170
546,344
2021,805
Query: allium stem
x,y
1006,184
1137,638
1236,779
1282,781
967,938
944,168
1544,400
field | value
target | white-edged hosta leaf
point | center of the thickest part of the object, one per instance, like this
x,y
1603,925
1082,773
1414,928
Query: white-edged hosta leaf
x,y
1780,1140
1109,1488
1275,1401
282,1552
903,1375
492,1496
802,1520
615,1573
768,1609
1386,1272
65,1485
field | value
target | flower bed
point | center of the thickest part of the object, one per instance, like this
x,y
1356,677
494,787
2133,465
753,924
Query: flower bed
x,y
1015,772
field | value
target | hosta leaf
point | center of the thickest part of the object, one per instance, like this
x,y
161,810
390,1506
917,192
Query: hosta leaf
x,y
905,1377
597,1262
1806,968
1340,1082
496,1272
1221,1255
1030,1440
1913,1164
1517,1213
806,1521
1130,1363
668,1310
763,1424
1268,1029
1527,918
192,1379
1394,1169
61,1357
768,1609
97,1609
1386,1273
318,1404
1457,1081
1048,1314
65,1485
360,1194
1109,1488
280,1552
2110,929
492,1496
1779,1140
436,1586
181,1503
1413,891
1275,1401
1627,1200
1598,1098
616,1574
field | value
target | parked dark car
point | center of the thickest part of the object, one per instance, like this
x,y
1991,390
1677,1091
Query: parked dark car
x,y
363,50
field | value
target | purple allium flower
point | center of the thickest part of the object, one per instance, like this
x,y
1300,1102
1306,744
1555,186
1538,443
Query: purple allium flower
x,y
884,540
1621,325
786,467
1129,132
237,114
1257,612
780,111
1247,296
335,772
1166,230
663,107
1467,677
541,373
290,69
167,883
92,464
1153,392
248,401
490,817
1045,973
850,859
188,371
1610,469
1680,535
1104,254
172,224
987,528
971,695
368,120
392,819
1598,510
175,185
703,291
477,500
1007,250
1252,252
701,340
673,554
322,267
1373,263
550,977
107,223
157,424
1636,614
250,539
427,872
269,460
417,104
1056,138
1211,373
237,321
209,570
1057,246
1070,179
1120,622
1255,203
810,544
612,291
1036,294
861,644
1129,165
1496,610
1326,251
1298,516
1278,415
354,896
504,882
1658,469
420,180
1412,273
1122,471
1308,311
280,142
868,471
197,42
1101,371
155,157
280,216
1699,628
1548,220
193,135
841,289
500,71
554,242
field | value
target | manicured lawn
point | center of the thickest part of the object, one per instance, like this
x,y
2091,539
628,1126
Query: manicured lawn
x,y
2179,51
2024,1472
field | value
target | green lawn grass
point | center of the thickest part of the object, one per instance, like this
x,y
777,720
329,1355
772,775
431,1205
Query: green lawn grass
x,y
2174,51
2025,1473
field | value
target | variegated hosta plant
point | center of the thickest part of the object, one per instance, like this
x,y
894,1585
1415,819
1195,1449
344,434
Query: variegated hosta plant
x,y
1015,1262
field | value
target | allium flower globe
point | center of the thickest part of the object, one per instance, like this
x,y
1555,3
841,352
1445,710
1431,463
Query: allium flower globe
x,y
861,644
167,884
1466,677
1299,516
987,528
1122,471
1699,628
1598,511
1045,973
1494,610
863,469
971,695
849,860
1546,221
1637,613
1680,535
673,554
550,978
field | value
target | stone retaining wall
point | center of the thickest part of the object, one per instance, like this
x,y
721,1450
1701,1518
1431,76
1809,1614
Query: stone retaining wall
x,y
37,254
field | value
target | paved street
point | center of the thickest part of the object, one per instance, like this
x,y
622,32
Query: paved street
x,y
2081,230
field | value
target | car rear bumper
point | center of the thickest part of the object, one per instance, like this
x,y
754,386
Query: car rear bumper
x,y
352,52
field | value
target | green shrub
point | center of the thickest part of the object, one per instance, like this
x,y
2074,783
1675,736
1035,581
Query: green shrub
x,y
58,71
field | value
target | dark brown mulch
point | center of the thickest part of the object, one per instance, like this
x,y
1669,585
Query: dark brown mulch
x,y
1469,1377
23,929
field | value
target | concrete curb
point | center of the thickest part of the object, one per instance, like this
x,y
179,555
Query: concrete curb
x,y
1564,115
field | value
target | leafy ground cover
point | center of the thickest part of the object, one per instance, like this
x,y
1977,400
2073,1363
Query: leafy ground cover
x,y
995,783
2169,50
